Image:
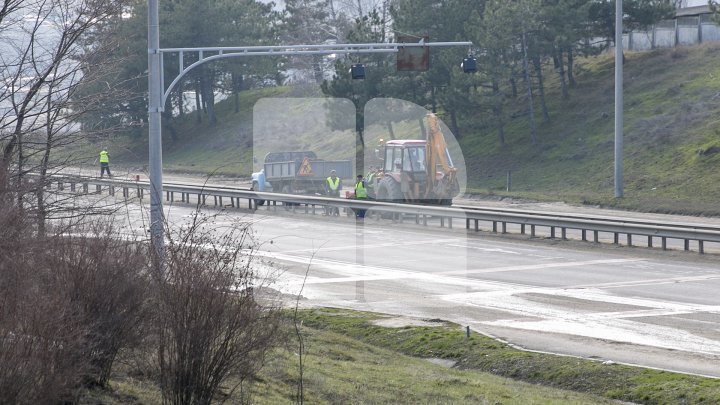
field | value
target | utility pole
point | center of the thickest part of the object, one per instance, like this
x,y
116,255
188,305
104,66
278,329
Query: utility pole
x,y
618,99
154,121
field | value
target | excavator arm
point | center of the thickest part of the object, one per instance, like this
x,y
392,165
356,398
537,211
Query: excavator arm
x,y
441,174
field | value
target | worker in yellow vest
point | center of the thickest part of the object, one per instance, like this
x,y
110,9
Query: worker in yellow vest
x,y
360,194
333,185
370,182
104,163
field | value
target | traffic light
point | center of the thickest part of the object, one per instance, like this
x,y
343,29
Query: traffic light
x,y
469,64
357,71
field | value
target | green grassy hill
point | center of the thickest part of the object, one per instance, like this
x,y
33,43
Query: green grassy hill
x,y
672,137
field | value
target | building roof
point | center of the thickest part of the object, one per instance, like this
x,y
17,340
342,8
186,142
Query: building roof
x,y
693,11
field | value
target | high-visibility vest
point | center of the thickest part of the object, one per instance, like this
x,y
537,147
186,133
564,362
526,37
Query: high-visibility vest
x,y
104,157
360,190
333,185
370,178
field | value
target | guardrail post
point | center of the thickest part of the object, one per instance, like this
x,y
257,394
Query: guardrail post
x,y
584,235
596,236
182,197
141,193
112,190
98,188
701,247
442,222
126,192
85,188
616,238
204,199
167,195
449,221
221,201
687,244
664,243
650,241
629,239
494,227
60,185
417,220
552,232
504,227
477,226
313,209
522,229
563,233
532,231
424,219
215,201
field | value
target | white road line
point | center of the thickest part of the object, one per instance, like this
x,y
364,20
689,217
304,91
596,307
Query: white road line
x,y
610,325
375,246
540,266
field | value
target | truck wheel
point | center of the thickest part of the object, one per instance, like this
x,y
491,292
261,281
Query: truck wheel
x,y
287,189
254,187
388,190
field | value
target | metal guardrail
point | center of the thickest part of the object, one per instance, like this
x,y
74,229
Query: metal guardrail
x,y
423,214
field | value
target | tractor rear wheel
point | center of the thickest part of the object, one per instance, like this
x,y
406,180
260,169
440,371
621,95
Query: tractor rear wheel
x,y
389,190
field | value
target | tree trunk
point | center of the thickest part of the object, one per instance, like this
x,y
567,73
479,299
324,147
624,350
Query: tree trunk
x,y
513,85
208,94
541,86
391,131
571,64
237,82
167,121
561,73
497,111
433,101
198,104
454,123
317,69
528,84
180,100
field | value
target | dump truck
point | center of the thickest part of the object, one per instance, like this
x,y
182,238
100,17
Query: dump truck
x,y
419,171
299,173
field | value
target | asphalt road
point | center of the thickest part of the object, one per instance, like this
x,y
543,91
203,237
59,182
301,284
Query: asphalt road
x,y
629,305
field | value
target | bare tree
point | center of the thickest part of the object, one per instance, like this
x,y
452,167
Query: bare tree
x,y
68,304
43,65
211,320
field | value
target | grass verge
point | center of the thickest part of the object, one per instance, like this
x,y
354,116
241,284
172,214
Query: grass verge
x,y
350,360
616,381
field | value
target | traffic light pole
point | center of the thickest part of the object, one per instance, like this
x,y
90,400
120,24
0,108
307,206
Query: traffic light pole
x,y
158,94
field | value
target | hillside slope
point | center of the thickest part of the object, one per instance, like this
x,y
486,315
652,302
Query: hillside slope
x,y
672,137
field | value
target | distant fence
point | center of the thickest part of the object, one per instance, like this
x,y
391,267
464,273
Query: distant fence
x,y
687,30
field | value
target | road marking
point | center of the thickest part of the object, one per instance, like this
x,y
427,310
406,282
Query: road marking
x,y
375,246
609,325
540,266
